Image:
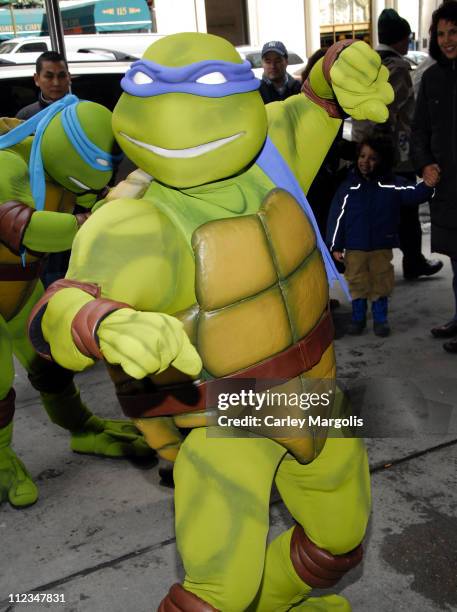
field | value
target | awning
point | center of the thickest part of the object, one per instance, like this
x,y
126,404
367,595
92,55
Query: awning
x,y
81,18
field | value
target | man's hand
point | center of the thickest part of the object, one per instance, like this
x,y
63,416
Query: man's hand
x,y
360,83
145,343
338,255
431,174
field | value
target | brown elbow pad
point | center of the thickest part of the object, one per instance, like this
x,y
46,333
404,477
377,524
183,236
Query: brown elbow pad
x,y
87,321
14,219
317,567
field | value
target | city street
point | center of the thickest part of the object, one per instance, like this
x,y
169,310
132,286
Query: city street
x,y
101,534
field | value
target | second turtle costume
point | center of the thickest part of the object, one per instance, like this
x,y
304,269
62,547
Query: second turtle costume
x,y
69,159
214,269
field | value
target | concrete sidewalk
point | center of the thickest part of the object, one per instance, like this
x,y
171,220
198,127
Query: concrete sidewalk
x,y
102,531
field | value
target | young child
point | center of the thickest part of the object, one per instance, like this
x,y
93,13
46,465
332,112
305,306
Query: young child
x,y
362,228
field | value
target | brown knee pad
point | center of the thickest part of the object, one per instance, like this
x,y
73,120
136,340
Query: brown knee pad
x,y
180,600
316,566
7,408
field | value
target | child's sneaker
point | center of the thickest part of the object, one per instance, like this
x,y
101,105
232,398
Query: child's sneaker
x,y
381,329
379,309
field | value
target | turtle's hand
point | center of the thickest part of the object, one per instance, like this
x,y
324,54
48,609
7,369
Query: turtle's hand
x,y
145,343
360,83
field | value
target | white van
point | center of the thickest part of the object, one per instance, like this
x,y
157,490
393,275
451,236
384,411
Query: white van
x,y
131,44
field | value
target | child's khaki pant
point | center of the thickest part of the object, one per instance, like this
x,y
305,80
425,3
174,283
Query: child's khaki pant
x,y
370,274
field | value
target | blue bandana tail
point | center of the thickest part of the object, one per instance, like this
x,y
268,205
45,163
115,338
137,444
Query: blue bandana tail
x,y
275,167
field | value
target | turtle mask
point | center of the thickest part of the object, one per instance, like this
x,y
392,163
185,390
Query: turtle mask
x,y
82,136
72,142
191,113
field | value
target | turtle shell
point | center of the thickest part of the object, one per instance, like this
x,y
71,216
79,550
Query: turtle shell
x,y
261,286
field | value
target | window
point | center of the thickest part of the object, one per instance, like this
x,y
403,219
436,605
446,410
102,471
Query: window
x,y
340,19
102,88
17,92
7,47
33,48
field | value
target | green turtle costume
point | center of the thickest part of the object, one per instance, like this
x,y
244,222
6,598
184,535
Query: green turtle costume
x,y
214,269
67,161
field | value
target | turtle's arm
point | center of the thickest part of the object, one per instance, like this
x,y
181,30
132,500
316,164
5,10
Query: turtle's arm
x,y
51,232
120,260
303,132
348,80
20,224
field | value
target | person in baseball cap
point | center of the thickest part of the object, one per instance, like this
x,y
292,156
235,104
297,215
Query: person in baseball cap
x,y
276,83
276,46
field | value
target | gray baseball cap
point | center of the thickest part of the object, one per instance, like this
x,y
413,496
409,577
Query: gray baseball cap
x,y
275,45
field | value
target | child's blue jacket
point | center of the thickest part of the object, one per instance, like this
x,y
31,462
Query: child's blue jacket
x,y
364,214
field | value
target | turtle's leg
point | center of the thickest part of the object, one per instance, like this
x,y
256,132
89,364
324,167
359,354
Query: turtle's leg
x,y
222,493
330,500
16,485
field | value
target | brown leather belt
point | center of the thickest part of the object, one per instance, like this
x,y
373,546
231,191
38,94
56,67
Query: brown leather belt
x,y
18,272
192,397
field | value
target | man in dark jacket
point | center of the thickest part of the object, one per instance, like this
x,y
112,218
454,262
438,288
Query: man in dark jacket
x,y
52,79
276,83
393,34
434,148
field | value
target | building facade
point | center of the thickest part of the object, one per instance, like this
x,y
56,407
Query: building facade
x,y
303,25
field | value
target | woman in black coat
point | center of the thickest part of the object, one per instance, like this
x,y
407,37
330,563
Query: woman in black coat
x,y
434,144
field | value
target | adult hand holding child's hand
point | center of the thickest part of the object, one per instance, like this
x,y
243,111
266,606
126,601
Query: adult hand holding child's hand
x,y
431,174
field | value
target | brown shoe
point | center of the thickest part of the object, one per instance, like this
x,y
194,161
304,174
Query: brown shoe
x,y
448,330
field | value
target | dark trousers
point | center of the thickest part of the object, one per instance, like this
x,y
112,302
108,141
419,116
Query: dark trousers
x,y
454,283
410,233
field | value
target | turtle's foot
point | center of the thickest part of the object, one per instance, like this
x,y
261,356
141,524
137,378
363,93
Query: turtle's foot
x,y
16,484
110,438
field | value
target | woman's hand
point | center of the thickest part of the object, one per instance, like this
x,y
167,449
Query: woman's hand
x,y
431,174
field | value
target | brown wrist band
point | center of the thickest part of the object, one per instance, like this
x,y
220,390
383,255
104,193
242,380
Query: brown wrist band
x,y
86,322
332,55
330,106
14,219
36,315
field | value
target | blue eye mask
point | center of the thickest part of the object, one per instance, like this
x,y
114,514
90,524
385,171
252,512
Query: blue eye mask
x,y
210,79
